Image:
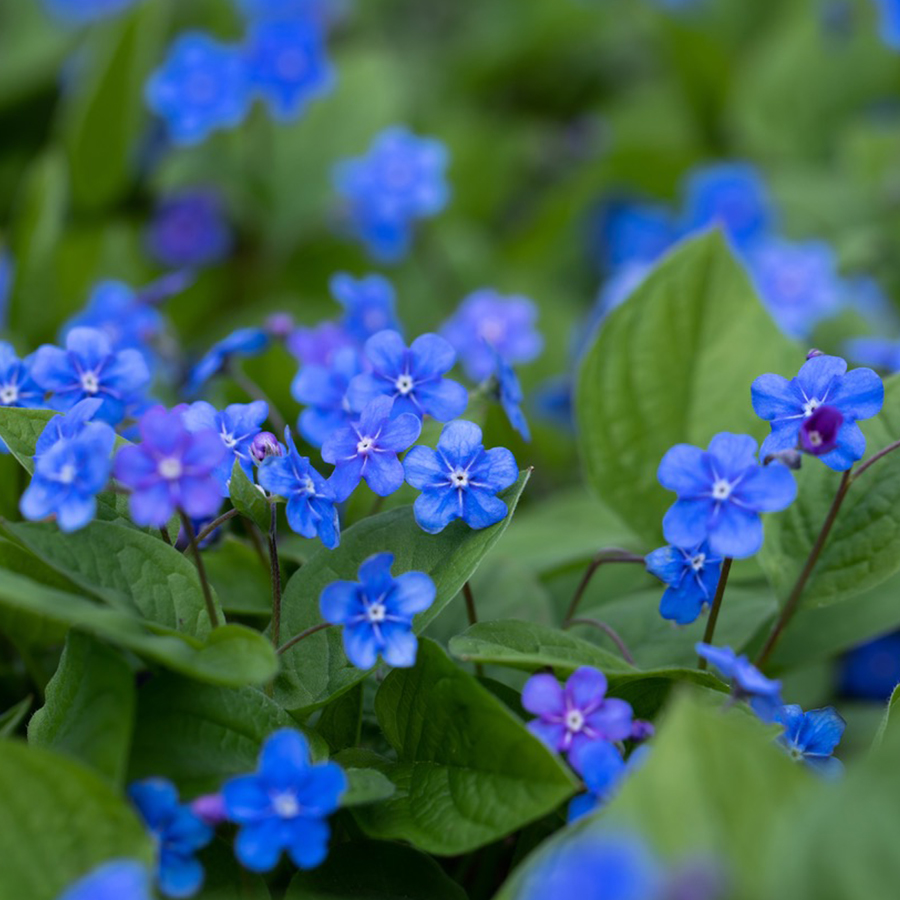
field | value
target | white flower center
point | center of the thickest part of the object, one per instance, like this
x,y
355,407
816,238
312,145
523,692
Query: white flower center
x,y
67,474
228,440
308,486
9,393
492,329
459,479
170,468
811,406
89,382
364,445
815,438
574,720
721,489
285,805
404,384
698,562
376,612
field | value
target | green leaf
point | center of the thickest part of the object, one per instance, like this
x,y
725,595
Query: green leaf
x,y
863,549
225,878
21,428
89,710
198,735
375,870
468,772
316,670
127,568
888,723
672,365
243,586
340,722
248,500
13,717
366,786
58,821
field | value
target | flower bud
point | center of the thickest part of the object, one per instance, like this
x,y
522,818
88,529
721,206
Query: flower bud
x,y
265,444
210,808
280,325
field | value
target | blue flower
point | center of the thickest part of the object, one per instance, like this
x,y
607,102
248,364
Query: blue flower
x,y
80,12
820,431
486,322
412,376
369,305
90,368
812,736
323,388
691,575
288,65
871,671
311,507
17,388
508,391
731,196
889,26
721,492
243,342
237,425
748,682
399,180
189,230
460,480
178,833
822,381
552,401
377,612
632,232
72,462
308,10
317,346
602,768
120,879
284,805
799,283
171,469
201,86
878,352
368,448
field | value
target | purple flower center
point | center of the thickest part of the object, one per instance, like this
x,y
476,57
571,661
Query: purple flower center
x,y
819,432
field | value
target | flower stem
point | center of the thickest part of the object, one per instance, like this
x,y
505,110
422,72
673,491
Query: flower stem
x,y
255,392
303,634
716,606
610,632
473,618
793,600
201,569
165,534
207,530
874,459
607,555
276,578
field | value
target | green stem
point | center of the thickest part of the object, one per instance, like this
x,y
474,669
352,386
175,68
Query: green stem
x,y
716,606
302,636
607,555
207,530
201,569
610,632
276,577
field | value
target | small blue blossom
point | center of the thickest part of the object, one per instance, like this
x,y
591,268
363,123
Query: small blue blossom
x,y
602,768
822,381
367,449
413,377
80,12
284,805
171,469
506,388
377,612
632,232
889,24
748,682
310,500
189,230
812,736
552,401
243,342
201,87
691,575
460,480
323,389
178,833
17,388
72,462
237,425
120,879
288,65
399,180
369,305
90,368
317,346
487,322
871,671
877,352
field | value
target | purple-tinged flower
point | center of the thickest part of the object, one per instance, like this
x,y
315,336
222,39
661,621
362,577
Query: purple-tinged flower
x,y
889,24
642,730
377,612
508,392
877,352
575,715
399,180
284,805
81,12
691,575
486,322
367,449
871,671
460,480
602,768
90,368
413,377
264,445
748,683
119,879
202,86
210,808
821,381
798,283
369,305
731,196
323,389
279,326
72,462
311,507
243,342
811,737
721,493
819,432
630,232
287,64
317,346
189,230
178,834
237,425
171,469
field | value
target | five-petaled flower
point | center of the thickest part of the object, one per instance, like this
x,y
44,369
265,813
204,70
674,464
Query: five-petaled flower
x,y
284,805
748,683
322,387
821,381
189,229
691,576
377,612
721,492
811,737
460,479
369,304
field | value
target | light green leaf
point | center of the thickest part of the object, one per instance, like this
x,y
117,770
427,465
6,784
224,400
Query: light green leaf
x,y
248,500
236,572
366,786
468,772
888,723
672,365
89,710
